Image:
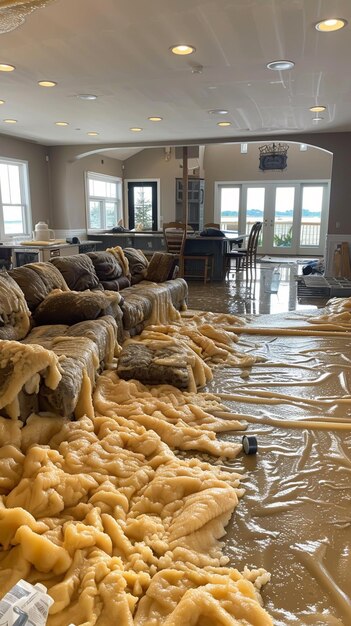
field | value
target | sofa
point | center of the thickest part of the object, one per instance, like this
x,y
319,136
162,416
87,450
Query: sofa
x,y
62,322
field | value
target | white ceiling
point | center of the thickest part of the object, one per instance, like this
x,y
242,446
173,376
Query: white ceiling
x,y
119,50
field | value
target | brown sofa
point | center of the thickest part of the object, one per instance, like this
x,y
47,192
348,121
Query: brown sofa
x,y
66,309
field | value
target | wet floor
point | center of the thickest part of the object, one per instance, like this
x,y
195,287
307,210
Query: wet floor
x,y
272,288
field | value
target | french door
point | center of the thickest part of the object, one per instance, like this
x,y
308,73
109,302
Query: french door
x,y
294,214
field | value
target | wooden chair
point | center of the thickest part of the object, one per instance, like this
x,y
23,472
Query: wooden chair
x,y
246,257
175,237
212,225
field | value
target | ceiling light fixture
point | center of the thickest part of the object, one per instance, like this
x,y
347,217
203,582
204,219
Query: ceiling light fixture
x,y
182,49
281,66
2,101
87,96
4,67
317,119
136,129
317,109
155,118
224,123
47,83
92,133
328,26
218,112
10,121
61,123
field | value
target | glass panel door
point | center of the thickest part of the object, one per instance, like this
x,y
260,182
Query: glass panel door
x,y
229,201
313,218
142,205
255,203
283,218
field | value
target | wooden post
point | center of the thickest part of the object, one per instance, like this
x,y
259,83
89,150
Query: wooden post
x,y
185,186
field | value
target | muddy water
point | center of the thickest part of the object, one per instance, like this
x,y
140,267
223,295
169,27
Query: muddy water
x,y
295,517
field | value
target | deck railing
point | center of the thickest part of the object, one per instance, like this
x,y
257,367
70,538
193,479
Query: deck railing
x,y
309,231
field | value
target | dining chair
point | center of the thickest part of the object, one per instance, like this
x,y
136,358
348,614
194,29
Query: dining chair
x,y
175,234
246,257
212,225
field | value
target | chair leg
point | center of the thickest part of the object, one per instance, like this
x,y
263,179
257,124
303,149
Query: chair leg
x,y
205,270
181,267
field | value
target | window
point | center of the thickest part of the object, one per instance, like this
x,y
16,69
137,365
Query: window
x,y
15,218
104,201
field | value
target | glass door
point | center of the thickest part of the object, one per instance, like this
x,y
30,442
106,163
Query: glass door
x,y
294,216
142,205
280,225
229,205
314,215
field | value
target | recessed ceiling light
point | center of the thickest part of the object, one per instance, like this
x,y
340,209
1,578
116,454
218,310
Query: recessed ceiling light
x,y
317,119
136,129
317,109
182,49
155,118
328,26
4,67
61,123
92,133
87,96
218,112
2,101
10,121
280,66
224,123
47,83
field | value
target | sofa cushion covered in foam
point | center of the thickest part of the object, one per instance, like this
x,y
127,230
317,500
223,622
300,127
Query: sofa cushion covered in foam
x,y
37,280
78,271
106,266
14,312
138,264
153,366
71,307
161,267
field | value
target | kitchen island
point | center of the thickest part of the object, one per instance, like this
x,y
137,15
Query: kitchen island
x,y
150,242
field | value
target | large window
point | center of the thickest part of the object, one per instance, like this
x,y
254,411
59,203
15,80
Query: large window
x,y
15,216
104,201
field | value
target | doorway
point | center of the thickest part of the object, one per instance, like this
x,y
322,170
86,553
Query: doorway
x,y
294,214
142,204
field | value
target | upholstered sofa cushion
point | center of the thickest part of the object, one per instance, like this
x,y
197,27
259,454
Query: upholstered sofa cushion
x,y
153,367
14,312
136,308
161,267
109,271
70,307
78,271
37,280
138,264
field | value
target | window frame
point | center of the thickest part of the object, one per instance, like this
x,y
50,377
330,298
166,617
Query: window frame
x,y
89,175
24,196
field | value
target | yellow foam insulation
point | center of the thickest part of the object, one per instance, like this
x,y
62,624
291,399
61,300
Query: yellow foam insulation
x,y
23,365
102,511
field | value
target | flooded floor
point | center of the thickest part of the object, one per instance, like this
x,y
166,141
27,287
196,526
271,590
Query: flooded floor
x,y
295,517
271,289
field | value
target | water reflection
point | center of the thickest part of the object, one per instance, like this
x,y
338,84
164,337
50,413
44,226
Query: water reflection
x,y
272,288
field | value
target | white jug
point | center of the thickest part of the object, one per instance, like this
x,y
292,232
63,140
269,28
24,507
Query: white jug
x,y
42,232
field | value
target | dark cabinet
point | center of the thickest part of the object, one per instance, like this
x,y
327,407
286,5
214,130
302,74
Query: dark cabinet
x,y
196,202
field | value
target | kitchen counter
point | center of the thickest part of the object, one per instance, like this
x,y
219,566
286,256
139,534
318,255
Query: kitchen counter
x,y
150,242
17,254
